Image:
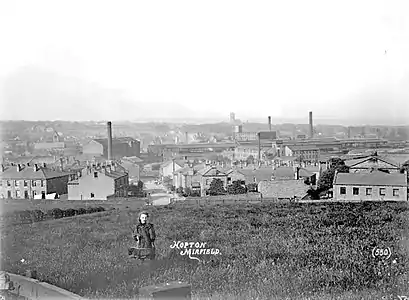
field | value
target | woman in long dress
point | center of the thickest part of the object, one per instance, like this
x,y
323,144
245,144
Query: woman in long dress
x,y
144,234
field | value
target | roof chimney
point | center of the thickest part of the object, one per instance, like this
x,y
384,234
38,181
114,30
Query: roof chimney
x,y
109,128
36,168
19,167
269,123
311,126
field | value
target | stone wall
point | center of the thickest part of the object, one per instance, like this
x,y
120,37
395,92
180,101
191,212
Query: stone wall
x,y
35,289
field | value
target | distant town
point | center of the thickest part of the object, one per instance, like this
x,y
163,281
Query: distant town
x,y
105,160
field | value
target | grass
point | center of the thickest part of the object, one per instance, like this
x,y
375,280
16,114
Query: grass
x,y
268,251
14,205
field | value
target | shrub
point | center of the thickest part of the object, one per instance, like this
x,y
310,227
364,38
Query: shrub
x,y
69,212
37,215
25,215
236,188
90,210
99,209
81,211
55,213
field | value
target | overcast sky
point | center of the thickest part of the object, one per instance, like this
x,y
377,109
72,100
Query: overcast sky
x,y
256,58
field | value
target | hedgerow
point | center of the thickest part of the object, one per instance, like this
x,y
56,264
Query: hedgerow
x,y
32,216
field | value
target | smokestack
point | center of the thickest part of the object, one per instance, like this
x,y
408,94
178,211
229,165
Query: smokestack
x,y
109,127
311,126
269,123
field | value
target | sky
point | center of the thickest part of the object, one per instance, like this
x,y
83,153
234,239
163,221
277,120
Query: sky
x,y
158,59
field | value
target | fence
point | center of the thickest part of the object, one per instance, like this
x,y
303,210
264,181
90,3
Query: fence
x,y
228,199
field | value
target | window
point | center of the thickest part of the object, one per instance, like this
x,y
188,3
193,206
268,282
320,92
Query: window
x,y
42,183
34,193
25,183
368,191
355,191
8,183
228,180
33,183
92,195
95,174
25,194
9,194
15,183
18,194
382,192
396,192
343,190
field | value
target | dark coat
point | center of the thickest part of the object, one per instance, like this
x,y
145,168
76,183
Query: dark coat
x,y
146,233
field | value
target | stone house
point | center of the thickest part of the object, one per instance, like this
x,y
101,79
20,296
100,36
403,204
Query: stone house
x,y
370,186
98,182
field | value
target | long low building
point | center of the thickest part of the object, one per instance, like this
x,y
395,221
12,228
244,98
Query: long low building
x,y
190,148
371,186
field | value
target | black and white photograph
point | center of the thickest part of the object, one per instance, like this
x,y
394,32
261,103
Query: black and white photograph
x,y
204,150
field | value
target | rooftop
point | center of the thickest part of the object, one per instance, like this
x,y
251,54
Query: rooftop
x,y
371,179
28,173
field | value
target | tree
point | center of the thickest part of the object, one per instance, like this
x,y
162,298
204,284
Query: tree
x,y
187,192
216,187
250,159
179,190
236,188
327,177
167,182
136,190
252,187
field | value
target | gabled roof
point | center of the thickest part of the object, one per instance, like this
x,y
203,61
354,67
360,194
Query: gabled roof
x,y
213,171
283,172
305,173
371,179
355,162
180,163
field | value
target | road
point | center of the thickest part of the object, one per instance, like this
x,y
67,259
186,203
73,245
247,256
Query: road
x,y
159,194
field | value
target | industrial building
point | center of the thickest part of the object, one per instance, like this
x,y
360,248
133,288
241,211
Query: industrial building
x,y
120,147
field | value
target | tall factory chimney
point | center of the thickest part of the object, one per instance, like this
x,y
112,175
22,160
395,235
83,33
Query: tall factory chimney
x,y
109,127
311,126
269,123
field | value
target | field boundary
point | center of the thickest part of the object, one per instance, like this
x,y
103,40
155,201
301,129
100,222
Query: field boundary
x,y
35,289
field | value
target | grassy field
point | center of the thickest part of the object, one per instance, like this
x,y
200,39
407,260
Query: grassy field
x,y
268,251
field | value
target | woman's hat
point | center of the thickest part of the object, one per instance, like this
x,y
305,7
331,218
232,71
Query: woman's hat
x,y
142,213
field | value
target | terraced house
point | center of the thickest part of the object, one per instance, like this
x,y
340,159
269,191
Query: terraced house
x,y
26,182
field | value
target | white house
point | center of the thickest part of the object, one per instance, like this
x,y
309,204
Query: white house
x,y
168,168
